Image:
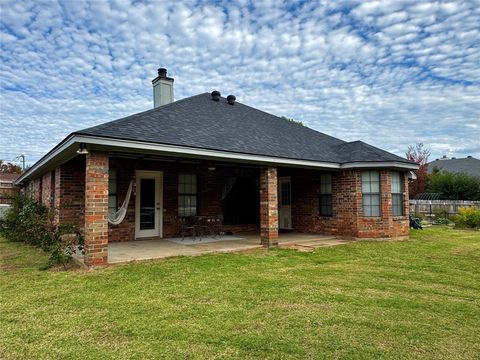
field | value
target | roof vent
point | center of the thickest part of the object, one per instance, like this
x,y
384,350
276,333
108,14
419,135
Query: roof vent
x,y
231,99
469,156
215,95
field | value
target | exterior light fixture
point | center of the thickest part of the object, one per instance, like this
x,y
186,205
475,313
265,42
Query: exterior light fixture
x,y
82,150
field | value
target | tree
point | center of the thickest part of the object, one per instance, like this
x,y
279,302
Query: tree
x,y
9,168
418,154
454,186
293,120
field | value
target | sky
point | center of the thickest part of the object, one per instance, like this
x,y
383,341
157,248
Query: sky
x,y
390,73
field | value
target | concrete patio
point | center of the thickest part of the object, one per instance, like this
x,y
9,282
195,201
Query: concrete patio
x,y
140,250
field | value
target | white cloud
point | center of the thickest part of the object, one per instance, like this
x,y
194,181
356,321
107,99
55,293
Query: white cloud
x,y
387,72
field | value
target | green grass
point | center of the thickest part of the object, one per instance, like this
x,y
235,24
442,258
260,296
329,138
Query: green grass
x,y
417,299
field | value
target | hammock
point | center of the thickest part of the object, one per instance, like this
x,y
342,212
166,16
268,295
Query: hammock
x,y
118,217
228,186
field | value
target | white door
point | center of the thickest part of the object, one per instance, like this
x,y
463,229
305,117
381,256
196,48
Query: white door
x,y
148,204
284,203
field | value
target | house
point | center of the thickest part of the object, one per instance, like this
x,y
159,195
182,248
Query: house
x,y
468,165
213,156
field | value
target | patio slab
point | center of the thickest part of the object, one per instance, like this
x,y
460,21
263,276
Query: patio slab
x,y
140,250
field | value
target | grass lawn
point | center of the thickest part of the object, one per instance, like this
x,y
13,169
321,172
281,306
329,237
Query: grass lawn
x,y
417,299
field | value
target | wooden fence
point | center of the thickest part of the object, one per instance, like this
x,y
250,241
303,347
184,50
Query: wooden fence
x,y
432,208
7,194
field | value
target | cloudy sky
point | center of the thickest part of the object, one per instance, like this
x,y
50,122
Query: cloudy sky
x,y
391,73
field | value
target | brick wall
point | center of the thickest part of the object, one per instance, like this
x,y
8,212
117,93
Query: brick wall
x,y
347,218
47,189
71,191
209,194
37,189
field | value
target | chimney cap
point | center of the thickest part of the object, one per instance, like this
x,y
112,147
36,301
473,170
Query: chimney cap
x,y
231,99
162,72
215,95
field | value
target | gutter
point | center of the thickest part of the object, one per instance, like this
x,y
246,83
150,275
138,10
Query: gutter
x,y
98,141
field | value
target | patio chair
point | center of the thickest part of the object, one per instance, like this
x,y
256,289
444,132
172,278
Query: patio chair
x,y
212,226
189,226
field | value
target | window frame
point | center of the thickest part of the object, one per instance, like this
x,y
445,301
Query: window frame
x,y
397,194
189,191
325,197
112,194
371,196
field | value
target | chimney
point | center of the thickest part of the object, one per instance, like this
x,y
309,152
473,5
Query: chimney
x,y
162,89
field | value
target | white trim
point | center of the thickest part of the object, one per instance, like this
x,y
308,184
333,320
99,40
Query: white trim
x,y
158,177
175,149
373,165
216,154
56,151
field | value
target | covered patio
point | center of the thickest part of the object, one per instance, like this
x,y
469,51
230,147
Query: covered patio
x,y
142,250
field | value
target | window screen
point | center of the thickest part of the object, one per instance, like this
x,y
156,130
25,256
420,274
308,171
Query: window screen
x,y
187,195
371,193
325,200
397,194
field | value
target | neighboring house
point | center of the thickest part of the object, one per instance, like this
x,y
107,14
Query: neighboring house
x,y
212,156
468,165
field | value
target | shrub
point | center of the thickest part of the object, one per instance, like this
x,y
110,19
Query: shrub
x,y
467,217
454,186
32,223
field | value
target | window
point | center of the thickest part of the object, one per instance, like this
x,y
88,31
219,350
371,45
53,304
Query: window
x,y
371,193
112,192
397,194
285,193
325,195
187,195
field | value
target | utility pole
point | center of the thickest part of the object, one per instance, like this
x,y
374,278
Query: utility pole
x,y
23,161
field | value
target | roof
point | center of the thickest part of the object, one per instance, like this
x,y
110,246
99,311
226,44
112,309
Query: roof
x,y
200,122
468,165
197,126
8,178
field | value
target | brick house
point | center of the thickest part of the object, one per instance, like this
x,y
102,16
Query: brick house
x,y
210,155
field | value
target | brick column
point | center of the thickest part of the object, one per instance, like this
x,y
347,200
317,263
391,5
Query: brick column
x,y
386,201
96,209
406,197
268,207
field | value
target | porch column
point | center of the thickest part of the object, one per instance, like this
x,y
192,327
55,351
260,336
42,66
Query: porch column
x,y
268,207
96,208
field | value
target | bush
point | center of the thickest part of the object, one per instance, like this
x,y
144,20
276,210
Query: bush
x,y
454,186
467,217
32,223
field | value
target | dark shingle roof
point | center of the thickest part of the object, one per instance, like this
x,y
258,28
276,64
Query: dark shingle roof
x,y
200,122
468,165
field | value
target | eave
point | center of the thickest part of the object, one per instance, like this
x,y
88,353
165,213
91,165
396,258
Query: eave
x,y
66,150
